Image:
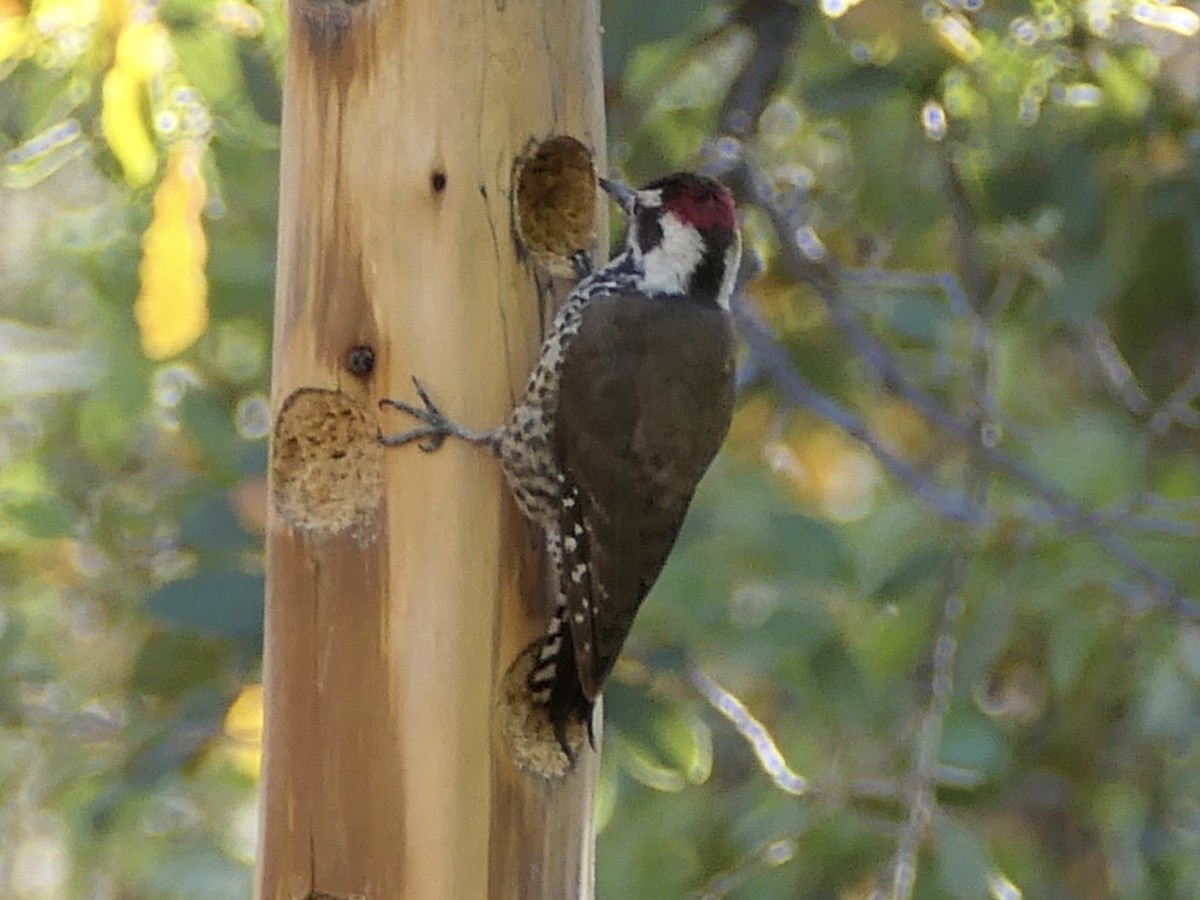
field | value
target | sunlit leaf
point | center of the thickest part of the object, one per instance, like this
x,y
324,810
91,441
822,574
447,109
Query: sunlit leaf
x,y
125,127
243,727
172,306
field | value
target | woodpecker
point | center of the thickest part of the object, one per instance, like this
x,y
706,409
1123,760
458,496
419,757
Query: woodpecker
x,y
625,409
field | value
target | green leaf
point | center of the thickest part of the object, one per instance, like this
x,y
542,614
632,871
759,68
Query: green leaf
x,y
1072,639
1089,282
654,22
972,741
895,550
640,763
1167,705
886,641
171,663
48,517
805,546
177,745
1095,457
767,533
105,430
13,629
913,571
862,87
212,527
920,317
209,60
962,862
223,603
209,420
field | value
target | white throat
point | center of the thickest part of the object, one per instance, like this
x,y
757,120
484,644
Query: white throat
x,y
668,267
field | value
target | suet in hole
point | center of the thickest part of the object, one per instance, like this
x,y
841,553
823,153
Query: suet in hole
x,y
555,202
527,728
326,462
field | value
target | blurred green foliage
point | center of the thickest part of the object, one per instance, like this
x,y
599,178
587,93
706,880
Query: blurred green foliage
x,y
130,574
1050,290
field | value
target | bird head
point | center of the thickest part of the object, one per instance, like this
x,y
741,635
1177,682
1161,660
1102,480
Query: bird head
x,y
683,237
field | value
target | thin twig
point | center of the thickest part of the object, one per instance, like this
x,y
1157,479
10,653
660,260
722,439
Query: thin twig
x,y
923,801
1178,407
755,733
1116,368
775,26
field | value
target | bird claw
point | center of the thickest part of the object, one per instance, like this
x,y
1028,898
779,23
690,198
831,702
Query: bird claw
x,y
436,428
436,438
430,406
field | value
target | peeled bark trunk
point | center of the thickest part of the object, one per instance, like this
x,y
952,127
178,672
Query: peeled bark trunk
x,y
402,585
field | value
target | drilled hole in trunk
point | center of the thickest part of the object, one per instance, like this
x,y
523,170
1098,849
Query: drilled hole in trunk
x,y
555,201
326,462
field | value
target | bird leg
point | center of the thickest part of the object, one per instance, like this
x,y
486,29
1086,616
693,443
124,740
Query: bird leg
x,y
436,427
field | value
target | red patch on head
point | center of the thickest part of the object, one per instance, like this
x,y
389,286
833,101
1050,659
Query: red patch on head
x,y
703,206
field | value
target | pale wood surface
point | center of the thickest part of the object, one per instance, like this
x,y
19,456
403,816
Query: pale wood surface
x,y
384,775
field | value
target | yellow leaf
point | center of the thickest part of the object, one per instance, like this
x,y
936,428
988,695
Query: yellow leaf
x,y
14,37
124,127
114,14
172,307
243,719
143,50
824,468
244,729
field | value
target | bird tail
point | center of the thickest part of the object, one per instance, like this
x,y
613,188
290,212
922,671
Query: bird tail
x,y
554,683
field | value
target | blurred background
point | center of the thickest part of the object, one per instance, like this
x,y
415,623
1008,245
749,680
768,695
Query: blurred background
x,y
932,627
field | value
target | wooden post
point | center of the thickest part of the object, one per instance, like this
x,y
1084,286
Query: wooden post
x,y
402,585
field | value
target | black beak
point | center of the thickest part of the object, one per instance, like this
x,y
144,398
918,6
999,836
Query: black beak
x,y
625,196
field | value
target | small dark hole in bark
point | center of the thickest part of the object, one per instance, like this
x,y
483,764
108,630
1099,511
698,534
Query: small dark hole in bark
x,y
361,361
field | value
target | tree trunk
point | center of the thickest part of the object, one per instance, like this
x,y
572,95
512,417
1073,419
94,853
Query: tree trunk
x,y
401,586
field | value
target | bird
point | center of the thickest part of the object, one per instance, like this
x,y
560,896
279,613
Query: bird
x,y
626,407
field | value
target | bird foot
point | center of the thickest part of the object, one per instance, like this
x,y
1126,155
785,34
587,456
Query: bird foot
x,y
433,433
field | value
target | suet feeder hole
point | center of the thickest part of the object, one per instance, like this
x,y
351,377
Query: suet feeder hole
x,y
326,464
555,202
532,743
